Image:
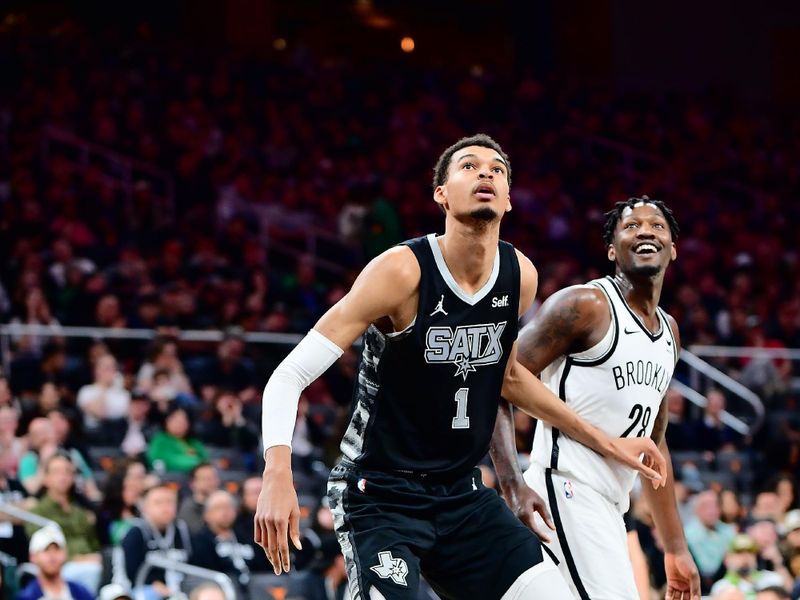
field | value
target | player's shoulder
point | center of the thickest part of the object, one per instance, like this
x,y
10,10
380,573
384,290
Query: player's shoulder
x,y
585,297
673,325
397,266
527,271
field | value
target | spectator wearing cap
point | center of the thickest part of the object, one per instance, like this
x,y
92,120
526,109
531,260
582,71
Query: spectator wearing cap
x,y
48,551
60,504
114,591
741,570
203,481
216,546
708,537
773,592
175,449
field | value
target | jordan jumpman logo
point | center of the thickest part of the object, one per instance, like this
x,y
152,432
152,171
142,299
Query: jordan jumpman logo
x,y
439,308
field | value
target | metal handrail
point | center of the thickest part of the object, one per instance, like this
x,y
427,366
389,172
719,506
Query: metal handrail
x,y
23,515
189,335
695,397
745,352
700,366
154,560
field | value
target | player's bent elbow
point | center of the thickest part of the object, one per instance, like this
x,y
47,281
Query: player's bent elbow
x,y
513,387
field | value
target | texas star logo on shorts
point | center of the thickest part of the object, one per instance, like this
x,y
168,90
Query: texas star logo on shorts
x,y
392,568
467,347
569,491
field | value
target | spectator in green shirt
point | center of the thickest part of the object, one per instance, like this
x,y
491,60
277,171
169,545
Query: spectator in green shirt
x,y
176,449
78,524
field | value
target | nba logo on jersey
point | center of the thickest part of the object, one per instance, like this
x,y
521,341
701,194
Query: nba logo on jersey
x,y
569,492
362,485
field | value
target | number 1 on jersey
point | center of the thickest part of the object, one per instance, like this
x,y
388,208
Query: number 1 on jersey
x,y
461,420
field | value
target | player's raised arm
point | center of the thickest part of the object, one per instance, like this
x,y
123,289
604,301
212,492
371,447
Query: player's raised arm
x,y
386,288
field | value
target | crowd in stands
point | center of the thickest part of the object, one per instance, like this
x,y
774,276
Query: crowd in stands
x,y
132,446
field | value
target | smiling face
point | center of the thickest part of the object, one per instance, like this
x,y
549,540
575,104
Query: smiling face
x,y
642,244
476,187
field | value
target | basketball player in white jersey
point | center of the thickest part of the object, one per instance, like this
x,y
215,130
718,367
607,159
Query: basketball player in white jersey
x,y
608,351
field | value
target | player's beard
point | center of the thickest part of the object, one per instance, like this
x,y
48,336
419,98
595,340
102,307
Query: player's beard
x,y
484,214
645,271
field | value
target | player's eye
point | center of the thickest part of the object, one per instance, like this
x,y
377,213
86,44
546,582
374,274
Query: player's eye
x,y
631,225
468,165
498,170
659,225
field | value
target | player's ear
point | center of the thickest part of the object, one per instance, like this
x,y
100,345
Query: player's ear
x,y
440,196
673,253
612,254
508,203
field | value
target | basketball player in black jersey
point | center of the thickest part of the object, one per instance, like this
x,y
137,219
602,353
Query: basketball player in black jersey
x,y
639,235
439,316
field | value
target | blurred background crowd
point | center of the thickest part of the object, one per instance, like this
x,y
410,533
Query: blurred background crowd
x,y
261,184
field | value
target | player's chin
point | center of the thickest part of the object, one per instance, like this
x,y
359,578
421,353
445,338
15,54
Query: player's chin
x,y
645,268
484,213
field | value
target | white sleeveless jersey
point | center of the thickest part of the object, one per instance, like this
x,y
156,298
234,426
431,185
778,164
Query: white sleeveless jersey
x,y
617,386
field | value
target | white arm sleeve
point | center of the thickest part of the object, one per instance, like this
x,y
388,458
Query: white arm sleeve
x,y
309,359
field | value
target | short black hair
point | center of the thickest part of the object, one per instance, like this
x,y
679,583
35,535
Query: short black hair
x,y
479,139
613,216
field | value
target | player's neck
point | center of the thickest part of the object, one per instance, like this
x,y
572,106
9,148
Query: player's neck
x,y
641,294
469,253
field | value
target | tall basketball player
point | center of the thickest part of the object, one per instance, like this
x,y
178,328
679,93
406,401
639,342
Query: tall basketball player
x,y
440,316
608,351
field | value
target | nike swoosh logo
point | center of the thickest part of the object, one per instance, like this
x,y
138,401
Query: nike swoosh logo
x,y
669,343
630,332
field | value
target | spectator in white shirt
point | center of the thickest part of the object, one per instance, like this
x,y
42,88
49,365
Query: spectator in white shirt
x,y
105,403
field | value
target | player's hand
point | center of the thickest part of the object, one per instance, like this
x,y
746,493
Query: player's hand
x,y
683,579
277,517
525,503
642,454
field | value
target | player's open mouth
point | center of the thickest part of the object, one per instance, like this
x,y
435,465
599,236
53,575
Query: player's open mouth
x,y
645,248
485,191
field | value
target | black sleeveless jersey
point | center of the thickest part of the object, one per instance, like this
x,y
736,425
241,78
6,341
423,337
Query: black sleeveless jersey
x,y
426,398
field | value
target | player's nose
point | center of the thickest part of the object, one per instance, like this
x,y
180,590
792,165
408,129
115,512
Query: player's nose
x,y
645,231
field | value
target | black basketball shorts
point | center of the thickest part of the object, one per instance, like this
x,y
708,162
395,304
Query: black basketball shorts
x,y
459,535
